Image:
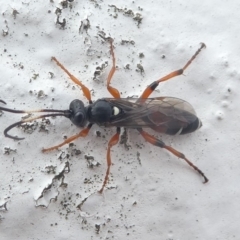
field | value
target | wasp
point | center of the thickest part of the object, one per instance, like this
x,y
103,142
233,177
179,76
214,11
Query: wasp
x,y
166,115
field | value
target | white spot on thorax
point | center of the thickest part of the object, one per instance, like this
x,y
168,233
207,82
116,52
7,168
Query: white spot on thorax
x,y
116,111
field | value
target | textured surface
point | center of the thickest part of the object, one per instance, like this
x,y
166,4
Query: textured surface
x,y
151,193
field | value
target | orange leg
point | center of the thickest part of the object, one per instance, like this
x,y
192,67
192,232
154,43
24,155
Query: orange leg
x,y
85,90
83,133
113,91
173,74
151,139
113,141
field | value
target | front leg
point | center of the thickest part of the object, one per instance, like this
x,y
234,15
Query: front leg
x,y
83,133
85,90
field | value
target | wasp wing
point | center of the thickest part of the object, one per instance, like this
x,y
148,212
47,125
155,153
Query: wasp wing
x,y
163,114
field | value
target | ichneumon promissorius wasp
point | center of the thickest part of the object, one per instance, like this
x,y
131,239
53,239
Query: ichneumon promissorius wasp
x,y
167,115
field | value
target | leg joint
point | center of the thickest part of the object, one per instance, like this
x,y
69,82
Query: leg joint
x,y
153,85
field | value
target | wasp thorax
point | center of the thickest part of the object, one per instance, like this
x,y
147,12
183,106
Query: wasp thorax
x,y
101,112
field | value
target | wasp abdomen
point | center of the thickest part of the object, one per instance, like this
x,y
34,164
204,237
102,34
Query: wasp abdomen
x,y
189,128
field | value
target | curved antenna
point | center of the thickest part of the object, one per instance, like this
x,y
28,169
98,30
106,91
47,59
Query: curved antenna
x,y
53,113
28,120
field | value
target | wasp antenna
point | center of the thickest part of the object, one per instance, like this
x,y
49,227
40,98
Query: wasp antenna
x,y
9,128
2,101
65,114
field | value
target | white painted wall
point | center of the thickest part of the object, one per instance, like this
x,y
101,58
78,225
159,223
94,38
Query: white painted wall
x,y
158,196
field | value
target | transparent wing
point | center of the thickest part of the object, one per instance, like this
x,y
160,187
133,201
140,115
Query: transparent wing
x,y
161,114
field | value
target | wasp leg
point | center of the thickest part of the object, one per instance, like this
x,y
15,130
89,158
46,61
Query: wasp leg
x,y
83,133
114,92
85,90
151,139
173,74
113,141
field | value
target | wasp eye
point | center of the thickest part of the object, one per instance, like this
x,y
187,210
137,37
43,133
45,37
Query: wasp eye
x,y
78,113
78,117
